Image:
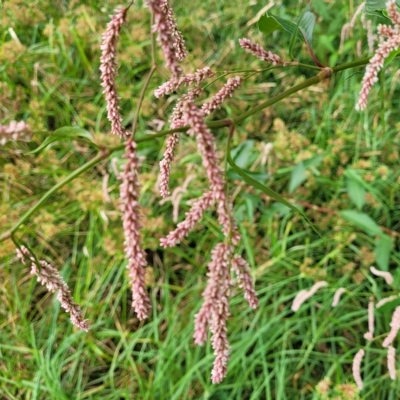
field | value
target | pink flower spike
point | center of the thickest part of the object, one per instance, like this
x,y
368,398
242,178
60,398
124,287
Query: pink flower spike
x,y
337,295
395,325
260,53
215,310
108,68
387,276
51,278
226,91
243,272
165,35
165,163
393,13
357,368
190,79
391,362
304,295
179,42
370,334
376,63
130,207
386,300
194,117
192,217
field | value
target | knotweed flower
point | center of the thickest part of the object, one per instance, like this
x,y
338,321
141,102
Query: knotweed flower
x,y
337,295
129,196
391,362
356,368
165,163
108,68
260,53
385,275
51,278
304,295
370,334
172,141
179,42
165,35
190,79
215,309
395,325
194,117
386,300
15,131
242,270
226,91
192,217
376,63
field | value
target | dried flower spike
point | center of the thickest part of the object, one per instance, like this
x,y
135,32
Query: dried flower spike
x,y
51,278
260,53
15,131
129,196
108,68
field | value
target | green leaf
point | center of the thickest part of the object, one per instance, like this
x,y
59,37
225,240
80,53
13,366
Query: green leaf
x,y
62,134
307,24
241,154
356,192
375,5
303,31
363,221
269,23
383,247
297,177
269,192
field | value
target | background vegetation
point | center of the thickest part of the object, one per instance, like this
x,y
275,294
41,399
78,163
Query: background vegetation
x,y
326,158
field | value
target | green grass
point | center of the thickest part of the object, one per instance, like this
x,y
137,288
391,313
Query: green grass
x,y
52,80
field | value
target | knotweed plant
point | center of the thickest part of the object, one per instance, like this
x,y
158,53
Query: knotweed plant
x,y
193,115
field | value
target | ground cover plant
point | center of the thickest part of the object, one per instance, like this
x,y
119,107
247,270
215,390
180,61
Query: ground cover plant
x,y
332,214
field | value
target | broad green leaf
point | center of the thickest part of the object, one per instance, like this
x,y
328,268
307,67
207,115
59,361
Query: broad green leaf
x,y
363,221
383,247
297,177
376,5
269,23
356,192
241,154
269,192
307,24
303,31
64,133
